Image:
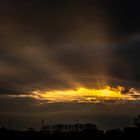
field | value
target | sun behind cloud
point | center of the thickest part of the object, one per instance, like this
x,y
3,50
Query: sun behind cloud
x,y
83,94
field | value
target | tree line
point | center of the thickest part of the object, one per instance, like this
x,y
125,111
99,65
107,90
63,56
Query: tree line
x,y
76,130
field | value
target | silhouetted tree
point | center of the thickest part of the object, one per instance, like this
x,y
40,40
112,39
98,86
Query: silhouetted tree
x,y
137,121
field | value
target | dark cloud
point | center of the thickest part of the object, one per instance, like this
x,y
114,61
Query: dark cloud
x,y
24,113
51,44
125,62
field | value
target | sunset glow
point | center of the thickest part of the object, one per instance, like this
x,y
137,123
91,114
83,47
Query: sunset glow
x,y
83,94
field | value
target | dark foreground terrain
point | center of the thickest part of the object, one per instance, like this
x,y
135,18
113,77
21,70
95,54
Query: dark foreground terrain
x,y
70,131
126,133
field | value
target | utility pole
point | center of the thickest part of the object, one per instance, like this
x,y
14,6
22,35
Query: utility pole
x,y
9,124
42,123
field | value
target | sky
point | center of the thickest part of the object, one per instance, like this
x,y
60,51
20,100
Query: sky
x,y
63,61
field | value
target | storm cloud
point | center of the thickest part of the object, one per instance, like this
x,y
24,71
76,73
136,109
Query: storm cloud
x,y
47,44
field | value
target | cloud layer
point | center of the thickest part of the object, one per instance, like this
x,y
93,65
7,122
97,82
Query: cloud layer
x,y
48,45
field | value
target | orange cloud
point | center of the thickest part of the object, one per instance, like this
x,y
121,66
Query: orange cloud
x,y
83,94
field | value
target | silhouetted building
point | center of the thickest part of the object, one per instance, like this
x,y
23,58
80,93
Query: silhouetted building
x,y
69,127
